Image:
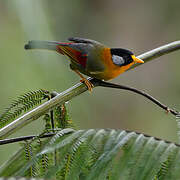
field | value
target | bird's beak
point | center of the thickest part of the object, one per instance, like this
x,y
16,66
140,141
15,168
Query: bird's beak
x,y
137,60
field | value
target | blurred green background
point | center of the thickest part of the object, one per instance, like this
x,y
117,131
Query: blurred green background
x,y
137,25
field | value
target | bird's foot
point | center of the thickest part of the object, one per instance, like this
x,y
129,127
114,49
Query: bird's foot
x,y
167,110
87,83
83,79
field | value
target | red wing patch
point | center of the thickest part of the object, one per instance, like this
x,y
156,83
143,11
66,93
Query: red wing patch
x,y
73,54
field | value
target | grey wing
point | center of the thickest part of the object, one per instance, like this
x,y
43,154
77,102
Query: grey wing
x,y
89,47
94,65
82,40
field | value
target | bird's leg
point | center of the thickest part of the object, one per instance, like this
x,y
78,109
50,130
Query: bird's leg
x,y
84,80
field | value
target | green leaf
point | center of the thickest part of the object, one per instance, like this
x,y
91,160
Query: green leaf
x,y
22,104
99,154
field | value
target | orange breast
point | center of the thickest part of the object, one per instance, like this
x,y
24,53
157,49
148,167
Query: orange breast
x,y
112,70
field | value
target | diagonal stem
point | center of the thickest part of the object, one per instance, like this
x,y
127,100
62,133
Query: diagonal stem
x,y
151,98
155,53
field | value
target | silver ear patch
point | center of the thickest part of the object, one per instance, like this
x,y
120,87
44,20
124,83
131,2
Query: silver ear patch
x,y
118,60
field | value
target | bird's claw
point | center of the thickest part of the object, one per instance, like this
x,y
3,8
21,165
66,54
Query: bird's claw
x,y
87,83
167,110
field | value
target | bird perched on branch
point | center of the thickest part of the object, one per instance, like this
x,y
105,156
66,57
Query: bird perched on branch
x,y
90,57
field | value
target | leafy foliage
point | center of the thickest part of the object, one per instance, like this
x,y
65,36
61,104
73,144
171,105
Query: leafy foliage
x,y
87,154
22,104
165,166
61,117
58,118
98,154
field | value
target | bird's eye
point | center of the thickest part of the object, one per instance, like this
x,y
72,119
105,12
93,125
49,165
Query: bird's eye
x,y
118,60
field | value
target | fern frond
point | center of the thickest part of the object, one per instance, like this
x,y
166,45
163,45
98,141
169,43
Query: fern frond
x,y
21,105
47,120
75,159
164,169
110,151
102,154
67,154
31,172
61,117
43,162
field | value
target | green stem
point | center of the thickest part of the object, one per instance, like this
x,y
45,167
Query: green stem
x,y
155,53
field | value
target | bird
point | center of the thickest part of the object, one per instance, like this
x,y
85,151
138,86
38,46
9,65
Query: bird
x,y
90,57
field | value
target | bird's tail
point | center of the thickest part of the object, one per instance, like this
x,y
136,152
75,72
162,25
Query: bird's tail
x,y
50,45
62,48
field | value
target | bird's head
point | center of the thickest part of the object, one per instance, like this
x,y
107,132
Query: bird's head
x,y
123,57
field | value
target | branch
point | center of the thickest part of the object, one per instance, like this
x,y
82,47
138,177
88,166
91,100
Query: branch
x,y
76,90
25,138
154,100
155,53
